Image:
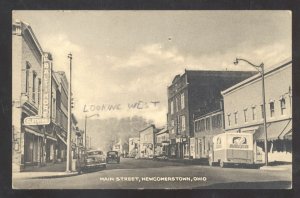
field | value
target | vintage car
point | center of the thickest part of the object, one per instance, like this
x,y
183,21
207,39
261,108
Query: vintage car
x,y
113,157
94,159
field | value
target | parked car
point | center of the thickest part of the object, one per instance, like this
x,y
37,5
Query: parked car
x,y
113,157
94,159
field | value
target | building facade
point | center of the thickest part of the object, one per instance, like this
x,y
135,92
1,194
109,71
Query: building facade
x,y
36,91
27,59
195,93
205,128
162,142
243,111
133,146
147,140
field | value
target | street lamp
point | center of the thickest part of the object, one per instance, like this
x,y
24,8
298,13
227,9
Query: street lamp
x,y
260,69
85,122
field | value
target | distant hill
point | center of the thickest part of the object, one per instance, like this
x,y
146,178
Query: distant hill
x,y
105,132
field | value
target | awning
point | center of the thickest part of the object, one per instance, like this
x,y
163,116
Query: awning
x,y
62,139
275,130
29,130
51,138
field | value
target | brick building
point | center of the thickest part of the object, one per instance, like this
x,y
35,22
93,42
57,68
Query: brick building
x,y
193,94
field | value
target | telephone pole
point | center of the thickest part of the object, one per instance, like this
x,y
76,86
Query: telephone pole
x,y
69,116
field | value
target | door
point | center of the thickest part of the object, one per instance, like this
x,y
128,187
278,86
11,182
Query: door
x,y
28,148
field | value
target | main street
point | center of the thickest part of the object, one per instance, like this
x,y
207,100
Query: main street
x,y
149,174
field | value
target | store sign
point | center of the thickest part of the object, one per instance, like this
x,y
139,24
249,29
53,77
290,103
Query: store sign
x,y
45,110
36,121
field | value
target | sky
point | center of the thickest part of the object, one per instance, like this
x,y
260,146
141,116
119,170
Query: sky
x,y
128,57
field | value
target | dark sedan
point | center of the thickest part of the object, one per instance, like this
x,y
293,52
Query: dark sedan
x,y
113,157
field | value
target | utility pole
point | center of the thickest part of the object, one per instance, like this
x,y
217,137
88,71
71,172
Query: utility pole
x,y
69,116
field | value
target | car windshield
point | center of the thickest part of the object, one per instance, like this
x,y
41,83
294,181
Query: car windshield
x,y
112,153
95,153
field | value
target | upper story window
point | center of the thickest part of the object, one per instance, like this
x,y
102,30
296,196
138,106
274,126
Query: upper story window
x,y
228,118
272,109
27,69
177,104
253,113
245,115
182,100
283,106
34,75
262,111
172,107
207,123
235,117
217,121
39,91
182,120
172,126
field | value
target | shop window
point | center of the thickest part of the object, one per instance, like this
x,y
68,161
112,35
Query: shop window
x,y
272,109
283,106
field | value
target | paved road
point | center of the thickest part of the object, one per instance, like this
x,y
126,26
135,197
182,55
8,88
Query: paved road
x,y
133,174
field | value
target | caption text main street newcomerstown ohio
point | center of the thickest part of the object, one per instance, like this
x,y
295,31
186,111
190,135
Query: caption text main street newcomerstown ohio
x,y
152,179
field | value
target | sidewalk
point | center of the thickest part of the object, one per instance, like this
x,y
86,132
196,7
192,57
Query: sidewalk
x,y
48,171
184,161
280,166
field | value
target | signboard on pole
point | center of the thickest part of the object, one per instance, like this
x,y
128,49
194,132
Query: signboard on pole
x,y
45,108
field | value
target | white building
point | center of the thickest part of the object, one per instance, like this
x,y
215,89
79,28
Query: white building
x,y
243,110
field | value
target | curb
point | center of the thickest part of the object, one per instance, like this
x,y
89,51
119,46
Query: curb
x,y
48,176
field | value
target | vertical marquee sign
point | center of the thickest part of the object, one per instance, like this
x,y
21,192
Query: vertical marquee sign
x,y
44,115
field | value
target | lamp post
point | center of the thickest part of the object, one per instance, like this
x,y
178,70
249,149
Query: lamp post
x,y
260,69
69,116
85,123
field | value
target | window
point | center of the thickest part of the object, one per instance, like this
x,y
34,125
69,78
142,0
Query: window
x,y
177,104
235,117
207,123
262,111
182,119
27,77
39,91
245,115
172,126
272,109
217,121
33,86
172,107
253,113
53,108
282,106
182,100
202,125
228,118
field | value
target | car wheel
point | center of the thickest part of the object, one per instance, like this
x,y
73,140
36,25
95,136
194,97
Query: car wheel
x,y
222,164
